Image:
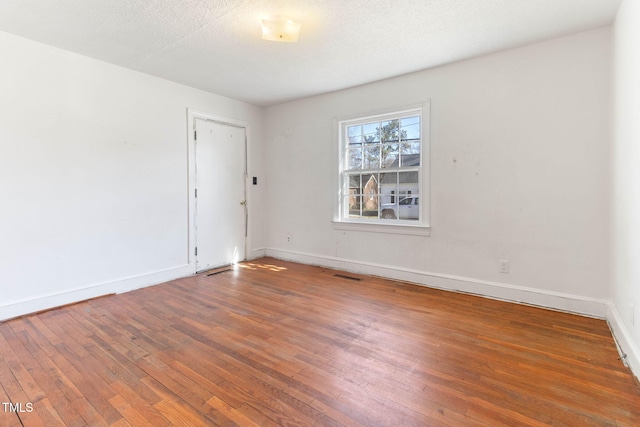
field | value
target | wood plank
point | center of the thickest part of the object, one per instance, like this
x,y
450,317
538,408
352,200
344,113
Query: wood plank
x,y
130,413
7,418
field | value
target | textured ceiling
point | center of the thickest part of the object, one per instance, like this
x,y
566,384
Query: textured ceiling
x,y
216,45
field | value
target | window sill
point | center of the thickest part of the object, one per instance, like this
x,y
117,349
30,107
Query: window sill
x,y
406,229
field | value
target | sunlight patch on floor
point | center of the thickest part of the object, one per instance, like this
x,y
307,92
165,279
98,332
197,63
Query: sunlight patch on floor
x,y
256,266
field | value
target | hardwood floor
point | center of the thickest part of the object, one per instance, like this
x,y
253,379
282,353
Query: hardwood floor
x,y
277,343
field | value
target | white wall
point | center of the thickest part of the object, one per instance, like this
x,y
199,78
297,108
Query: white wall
x,y
625,216
93,176
519,171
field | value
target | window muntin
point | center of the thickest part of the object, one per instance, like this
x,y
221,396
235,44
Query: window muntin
x,y
381,169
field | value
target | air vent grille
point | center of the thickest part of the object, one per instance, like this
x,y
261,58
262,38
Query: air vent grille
x,y
219,271
344,276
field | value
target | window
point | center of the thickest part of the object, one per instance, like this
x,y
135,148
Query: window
x,y
381,169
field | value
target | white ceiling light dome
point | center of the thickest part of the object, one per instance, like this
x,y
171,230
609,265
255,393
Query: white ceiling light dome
x,y
280,29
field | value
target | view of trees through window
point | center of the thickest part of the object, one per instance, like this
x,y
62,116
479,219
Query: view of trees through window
x,y
381,170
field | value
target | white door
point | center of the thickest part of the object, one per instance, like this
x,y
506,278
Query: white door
x,y
220,218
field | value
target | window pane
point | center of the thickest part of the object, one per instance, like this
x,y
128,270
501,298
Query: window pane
x,y
369,184
408,181
354,158
410,154
370,205
389,130
408,147
354,184
410,128
354,134
388,187
370,132
353,203
388,197
389,156
371,156
408,209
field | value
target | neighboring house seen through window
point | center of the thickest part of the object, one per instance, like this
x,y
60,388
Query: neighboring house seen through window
x,y
381,169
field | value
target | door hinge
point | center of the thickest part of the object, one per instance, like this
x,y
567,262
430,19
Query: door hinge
x,y
196,193
195,134
196,251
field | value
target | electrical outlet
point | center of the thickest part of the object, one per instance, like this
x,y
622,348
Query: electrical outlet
x,y
504,266
288,238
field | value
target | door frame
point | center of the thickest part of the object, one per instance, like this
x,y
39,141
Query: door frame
x,y
192,116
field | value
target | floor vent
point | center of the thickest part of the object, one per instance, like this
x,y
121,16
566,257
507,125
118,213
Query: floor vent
x,y
219,271
344,276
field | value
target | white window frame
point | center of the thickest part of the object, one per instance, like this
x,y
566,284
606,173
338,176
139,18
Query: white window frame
x,y
413,227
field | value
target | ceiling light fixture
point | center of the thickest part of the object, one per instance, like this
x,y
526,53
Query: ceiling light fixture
x,y
280,30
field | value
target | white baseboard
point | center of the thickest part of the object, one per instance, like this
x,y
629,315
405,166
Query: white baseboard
x,y
47,301
256,253
553,300
630,352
